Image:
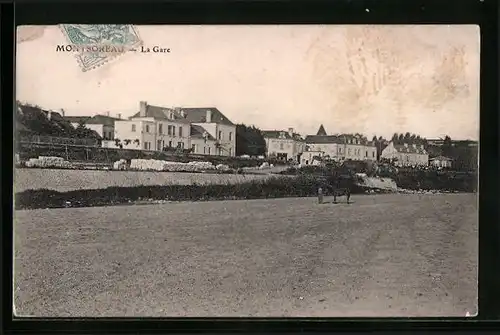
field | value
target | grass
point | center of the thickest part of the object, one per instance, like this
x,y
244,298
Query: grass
x,y
70,180
383,255
273,187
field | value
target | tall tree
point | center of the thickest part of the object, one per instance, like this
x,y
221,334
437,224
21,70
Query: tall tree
x,y
249,141
395,138
447,148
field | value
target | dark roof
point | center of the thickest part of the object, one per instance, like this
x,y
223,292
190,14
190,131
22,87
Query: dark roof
x,y
102,119
322,139
441,158
409,149
339,139
321,131
198,131
157,112
276,134
199,115
77,119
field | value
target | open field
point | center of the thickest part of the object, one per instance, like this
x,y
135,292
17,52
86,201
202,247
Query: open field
x,y
383,255
68,180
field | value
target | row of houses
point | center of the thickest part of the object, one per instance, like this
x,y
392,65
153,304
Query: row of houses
x,y
207,131
289,145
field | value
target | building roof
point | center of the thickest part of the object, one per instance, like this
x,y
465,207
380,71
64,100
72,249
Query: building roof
x,y
198,131
77,119
441,158
339,139
102,119
410,149
199,115
321,131
162,113
276,134
322,139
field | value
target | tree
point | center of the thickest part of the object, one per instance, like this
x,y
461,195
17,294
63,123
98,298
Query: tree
x,y
395,138
407,137
447,148
249,141
401,139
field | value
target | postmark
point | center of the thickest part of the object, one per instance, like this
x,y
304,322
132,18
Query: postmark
x,y
97,44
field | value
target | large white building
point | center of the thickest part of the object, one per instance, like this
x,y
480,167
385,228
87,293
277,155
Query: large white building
x,y
341,147
204,130
284,145
406,154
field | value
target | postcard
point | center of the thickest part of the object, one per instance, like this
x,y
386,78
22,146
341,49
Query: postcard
x,y
246,170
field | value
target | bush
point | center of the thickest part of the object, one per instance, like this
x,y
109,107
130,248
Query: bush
x,y
276,187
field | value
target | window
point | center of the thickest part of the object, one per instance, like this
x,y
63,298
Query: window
x,y
133,127
282,146
373,153
179,144
147,128
366,153
169,144
158,147
173,130
209,150
147,145
230,136
220,135
169,130
193,148
160,129
230,152
204,150
180,131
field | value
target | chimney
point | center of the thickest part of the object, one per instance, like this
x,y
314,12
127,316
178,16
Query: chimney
x,y
62,112
290,132
182,113
209,116
406,145
119,116
107,113
49,115
142,111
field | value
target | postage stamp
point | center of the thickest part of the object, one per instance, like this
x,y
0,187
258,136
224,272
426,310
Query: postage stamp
x,y
97,44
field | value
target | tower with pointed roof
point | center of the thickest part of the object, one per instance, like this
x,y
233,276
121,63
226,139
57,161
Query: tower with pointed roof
x,y
321,131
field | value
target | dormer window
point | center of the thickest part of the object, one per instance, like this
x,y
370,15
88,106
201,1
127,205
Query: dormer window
x,y
282,134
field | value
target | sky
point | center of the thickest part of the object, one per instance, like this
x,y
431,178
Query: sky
x,y
375,80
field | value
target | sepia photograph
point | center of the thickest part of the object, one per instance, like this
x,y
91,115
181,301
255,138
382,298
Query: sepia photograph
x,y
246,171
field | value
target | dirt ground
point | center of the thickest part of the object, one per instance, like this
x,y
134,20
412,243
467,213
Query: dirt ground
x,y
383,255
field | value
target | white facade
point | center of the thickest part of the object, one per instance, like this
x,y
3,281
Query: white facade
x,y
225,136
105,131
169,130
284,145
406,155
345,151
153,134
201,146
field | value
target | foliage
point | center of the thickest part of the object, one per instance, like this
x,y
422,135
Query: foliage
x,y
37,121
249,141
